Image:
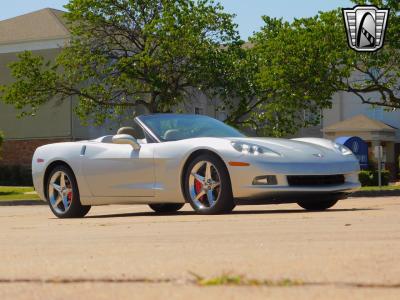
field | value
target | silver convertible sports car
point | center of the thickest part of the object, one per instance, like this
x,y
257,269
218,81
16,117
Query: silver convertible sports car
x,y
167,160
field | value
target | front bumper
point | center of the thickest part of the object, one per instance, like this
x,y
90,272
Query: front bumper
x,y
243,187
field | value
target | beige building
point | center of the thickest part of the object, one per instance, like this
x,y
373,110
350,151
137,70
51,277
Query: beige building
x,y
43,32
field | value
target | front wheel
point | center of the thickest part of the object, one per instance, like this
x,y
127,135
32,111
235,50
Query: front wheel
x,y
63,194
317,205
165,208
207,186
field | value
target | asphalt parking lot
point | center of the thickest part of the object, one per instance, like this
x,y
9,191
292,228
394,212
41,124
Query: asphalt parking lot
x,y
349,252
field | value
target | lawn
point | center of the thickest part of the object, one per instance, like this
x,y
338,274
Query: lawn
x,y
12,193
384,188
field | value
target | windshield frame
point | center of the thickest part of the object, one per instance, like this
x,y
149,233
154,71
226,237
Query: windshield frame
x,y
147,129
139,120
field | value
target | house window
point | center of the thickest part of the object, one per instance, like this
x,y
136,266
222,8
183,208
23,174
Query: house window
x,y
198,111
307,116
310,117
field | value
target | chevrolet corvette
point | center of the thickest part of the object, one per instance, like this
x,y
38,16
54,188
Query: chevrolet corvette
x,y
167,160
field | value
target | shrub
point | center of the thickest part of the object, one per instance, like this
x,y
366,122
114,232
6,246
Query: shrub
x,y
365,178
1,141
370,178
15,176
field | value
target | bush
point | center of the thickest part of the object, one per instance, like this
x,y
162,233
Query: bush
x,y
365,178
1,141
370,178
15,176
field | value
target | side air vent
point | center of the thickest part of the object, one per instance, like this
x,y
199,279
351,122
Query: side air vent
x,y
83,150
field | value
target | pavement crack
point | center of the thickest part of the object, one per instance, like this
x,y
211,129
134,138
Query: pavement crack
x,y
61,280
224,280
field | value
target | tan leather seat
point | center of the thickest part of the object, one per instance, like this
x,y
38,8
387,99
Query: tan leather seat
x,y
136,133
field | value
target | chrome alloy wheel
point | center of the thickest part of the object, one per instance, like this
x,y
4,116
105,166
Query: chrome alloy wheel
x,y
60,192
204,185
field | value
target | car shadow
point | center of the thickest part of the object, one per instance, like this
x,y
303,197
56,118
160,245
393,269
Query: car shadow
x,y
238,212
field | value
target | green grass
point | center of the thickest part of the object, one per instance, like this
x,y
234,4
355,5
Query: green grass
x,y
12,193
239,280
384,188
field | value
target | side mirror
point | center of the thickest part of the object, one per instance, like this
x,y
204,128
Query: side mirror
x,y
126,139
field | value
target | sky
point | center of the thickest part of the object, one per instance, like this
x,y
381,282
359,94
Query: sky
x,y
248,12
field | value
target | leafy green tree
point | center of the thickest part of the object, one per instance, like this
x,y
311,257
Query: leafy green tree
x,y
286,71
127,53
294,67
377,74
155,53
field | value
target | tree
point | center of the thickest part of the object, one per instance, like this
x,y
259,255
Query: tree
x,y
127,53
299,66
287,69
377,81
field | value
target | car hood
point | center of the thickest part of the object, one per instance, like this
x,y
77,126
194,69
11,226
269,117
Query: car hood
x,y
292,150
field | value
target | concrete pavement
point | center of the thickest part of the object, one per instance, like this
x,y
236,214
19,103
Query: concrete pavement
x,y
349,252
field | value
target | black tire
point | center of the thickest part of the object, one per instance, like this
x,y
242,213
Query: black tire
x,y
75,209
318,205
224,202
166,208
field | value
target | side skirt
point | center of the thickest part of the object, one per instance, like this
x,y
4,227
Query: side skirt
x,y
122,200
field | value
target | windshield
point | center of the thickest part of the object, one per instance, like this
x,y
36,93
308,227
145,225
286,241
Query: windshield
x,y
174,127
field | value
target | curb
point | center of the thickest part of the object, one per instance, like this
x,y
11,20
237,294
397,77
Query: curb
x,y
22,203
390,193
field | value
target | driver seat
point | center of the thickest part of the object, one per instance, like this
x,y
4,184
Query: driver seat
x,y
135,132
129,130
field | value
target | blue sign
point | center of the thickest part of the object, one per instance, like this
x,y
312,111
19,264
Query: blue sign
x,y
358,146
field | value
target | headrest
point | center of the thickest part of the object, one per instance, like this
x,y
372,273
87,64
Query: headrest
x,y
136,133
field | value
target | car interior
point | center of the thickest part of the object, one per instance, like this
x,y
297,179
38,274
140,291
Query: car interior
x,y
135,132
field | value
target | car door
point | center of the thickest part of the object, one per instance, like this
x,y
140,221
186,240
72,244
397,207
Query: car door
x,y
119,170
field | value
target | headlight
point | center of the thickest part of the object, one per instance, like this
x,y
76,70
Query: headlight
x,y
342,149
253,149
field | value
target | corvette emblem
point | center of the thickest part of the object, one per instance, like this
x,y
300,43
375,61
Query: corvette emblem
x,y
365,27
318,155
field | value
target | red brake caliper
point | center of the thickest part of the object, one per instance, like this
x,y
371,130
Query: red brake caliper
x,y
197,187
69,196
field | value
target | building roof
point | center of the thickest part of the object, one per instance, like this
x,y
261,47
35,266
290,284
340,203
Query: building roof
x,y
359,123
44,24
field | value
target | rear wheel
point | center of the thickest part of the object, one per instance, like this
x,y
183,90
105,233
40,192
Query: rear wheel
x,y
318,205
63,194
164,208
207,186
